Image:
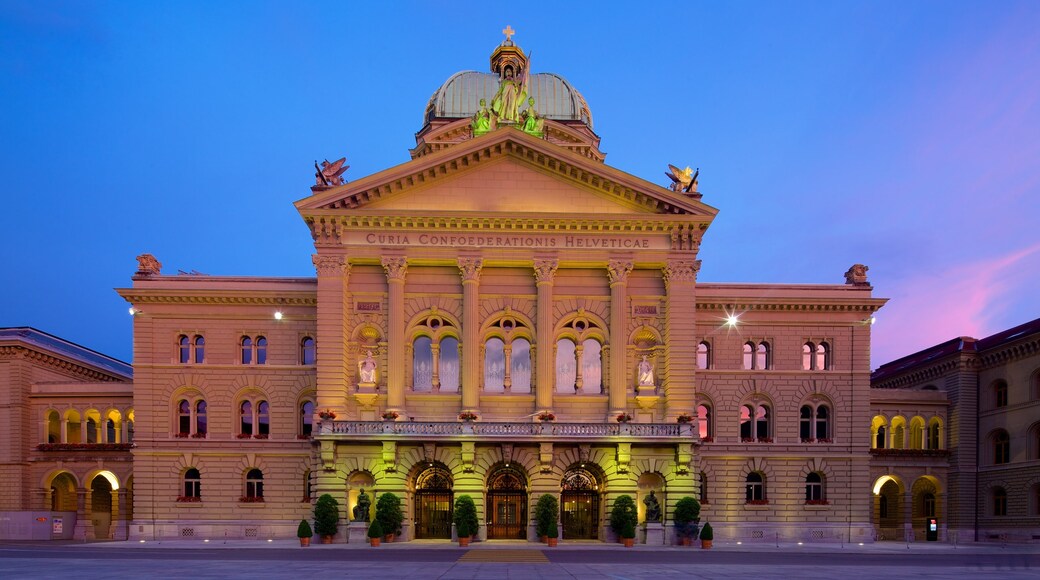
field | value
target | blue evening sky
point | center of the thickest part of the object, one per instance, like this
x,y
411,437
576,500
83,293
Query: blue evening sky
x,y
903,135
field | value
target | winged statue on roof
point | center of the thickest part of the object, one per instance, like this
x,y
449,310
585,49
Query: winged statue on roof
x,y
330,174
683,180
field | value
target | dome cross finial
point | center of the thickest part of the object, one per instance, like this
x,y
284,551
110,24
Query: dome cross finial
x,y
509,32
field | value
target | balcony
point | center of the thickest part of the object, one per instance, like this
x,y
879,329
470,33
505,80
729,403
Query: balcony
x,y
518,431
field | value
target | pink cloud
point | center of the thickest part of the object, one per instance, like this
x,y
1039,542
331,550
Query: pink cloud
x,y
966,300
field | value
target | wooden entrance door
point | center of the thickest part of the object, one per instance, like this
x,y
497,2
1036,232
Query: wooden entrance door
x,y
507,504
433,503
579,503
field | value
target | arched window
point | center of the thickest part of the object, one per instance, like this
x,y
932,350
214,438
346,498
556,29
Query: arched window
x,y
999,501
192,484
1000,394
92,427
448,369
703,487
201,423
934,437
494,365
755,424
1001,447
54,428
807,356
306,419
255,485
566,366
881,438
762,358
307,351
261,350
749,355
755,488
183,349
704,355
823,356
823,423
263,419
520,365
929,504
183,418
247,350
246,419
308,489
916,433
705,422
814,488
805,423
898,435
200,349
591,366
422,364
111,431
816,356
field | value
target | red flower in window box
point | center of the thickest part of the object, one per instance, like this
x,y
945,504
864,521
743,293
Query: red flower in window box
x,y
623,418
825,440
684,418
546,416
188,499
707,439
247,499
261,436
244,436
302,436
467,416
757,502
181,435
817,502
747,439
808,440
199,436
390,416
327,414
765,439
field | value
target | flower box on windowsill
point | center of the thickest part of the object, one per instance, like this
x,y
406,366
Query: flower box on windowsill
x,y
188,499
244,436
199,436
623,418
181,435
757,502
546,416
684,418
303,437
247,499
707,439
467,416
261,436
825,440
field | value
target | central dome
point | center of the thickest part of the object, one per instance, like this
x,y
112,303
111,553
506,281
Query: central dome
x,y
554,97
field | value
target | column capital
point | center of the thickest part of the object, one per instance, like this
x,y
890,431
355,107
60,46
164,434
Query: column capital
x,y
469,269
330,265
618,270
396,268
681,271
545,270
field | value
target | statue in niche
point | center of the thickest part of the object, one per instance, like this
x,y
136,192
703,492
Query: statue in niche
x,y
481,120
653,508
361,509
368,369
646,373
533,123
330,174
511,92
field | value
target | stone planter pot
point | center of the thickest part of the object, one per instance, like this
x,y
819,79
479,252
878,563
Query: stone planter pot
x,y
686,541
374,542
326,539
629,542
304,542
464,541
705,544
552,542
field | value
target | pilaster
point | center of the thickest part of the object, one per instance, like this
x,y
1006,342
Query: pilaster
x,y
680,331
396,269
618,270
469,270
333,272
544,273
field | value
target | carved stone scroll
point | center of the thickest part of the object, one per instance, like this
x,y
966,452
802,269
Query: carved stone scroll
x,y
469,269
545,271
618,270
330,265
396,268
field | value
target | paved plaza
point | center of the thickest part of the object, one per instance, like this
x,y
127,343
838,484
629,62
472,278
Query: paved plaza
x,y
498,561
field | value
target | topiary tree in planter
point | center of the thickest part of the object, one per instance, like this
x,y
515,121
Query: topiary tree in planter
x,y
707,535
388,514
687,514
628,534
326,517
622,514
465,518
375,533
546,515
304,533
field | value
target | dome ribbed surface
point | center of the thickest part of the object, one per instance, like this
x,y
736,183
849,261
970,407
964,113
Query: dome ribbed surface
x,y
554,97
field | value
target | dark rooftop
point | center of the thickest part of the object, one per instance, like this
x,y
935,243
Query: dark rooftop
x,y
70,350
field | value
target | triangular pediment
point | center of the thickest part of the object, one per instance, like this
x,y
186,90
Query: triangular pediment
x,y
504,171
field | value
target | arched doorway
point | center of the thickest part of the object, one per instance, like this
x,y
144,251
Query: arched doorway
x,y
433,503
925,493
507,504
63,493
579,501
888,508
101,506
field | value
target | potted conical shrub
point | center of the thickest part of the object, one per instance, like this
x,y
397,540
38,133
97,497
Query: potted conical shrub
x,y
687,514
465,519
304,533
375,533
706,536
628,534
622,514
389,516
553,535
326,517
546,516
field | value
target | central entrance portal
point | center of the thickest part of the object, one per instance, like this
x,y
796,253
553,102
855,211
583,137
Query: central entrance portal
x,y
507,502
579,503
433,504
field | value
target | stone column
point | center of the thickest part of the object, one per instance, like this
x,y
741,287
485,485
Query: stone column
x,y
396,269
330,341
618,270
544,272
469,270
680,331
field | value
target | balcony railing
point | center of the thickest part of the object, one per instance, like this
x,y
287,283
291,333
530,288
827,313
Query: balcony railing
x,y
85,446
543,430
910,453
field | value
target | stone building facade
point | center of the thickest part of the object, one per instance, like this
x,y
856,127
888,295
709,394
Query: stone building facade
x,y
955,435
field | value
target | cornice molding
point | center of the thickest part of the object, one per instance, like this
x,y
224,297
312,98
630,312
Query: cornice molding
x,y
42,358
1009,353
791,305
924,375
202,297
